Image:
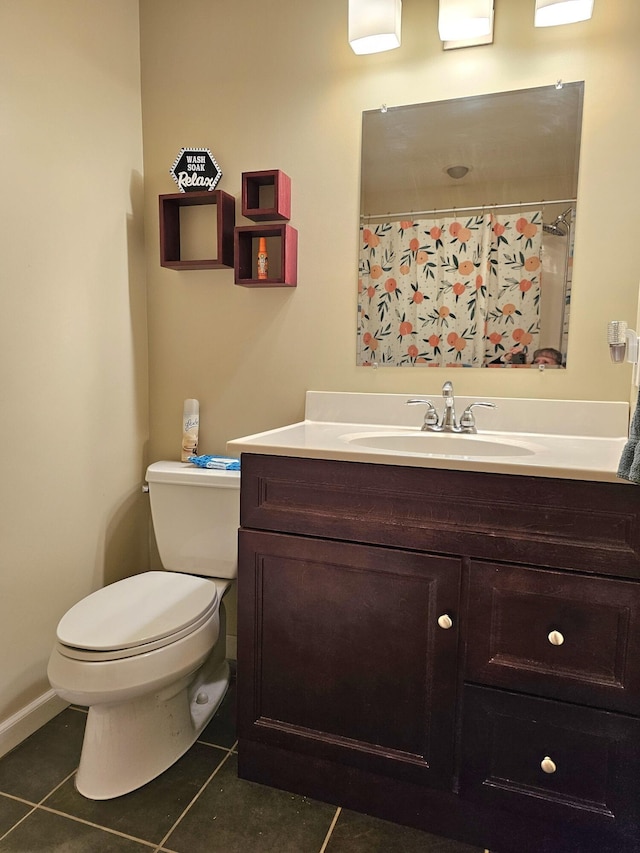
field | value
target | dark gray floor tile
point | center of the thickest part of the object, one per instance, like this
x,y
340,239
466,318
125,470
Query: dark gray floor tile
x,y
356,833
150,812
11,811
43,760
221,731
236,816
43,832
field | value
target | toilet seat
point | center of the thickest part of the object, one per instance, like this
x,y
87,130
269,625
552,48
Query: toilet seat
x,y
137,615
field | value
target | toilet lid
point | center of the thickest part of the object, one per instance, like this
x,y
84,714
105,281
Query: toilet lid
x,y
137,610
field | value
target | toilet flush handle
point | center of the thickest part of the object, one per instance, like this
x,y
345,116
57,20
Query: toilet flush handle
x,y
145,488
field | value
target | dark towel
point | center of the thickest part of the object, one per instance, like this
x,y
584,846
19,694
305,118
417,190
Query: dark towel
x,y
629,467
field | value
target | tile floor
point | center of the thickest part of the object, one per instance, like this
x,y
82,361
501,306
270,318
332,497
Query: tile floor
x,y
198,806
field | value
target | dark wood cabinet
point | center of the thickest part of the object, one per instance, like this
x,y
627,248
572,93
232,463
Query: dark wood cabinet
x,y
411,648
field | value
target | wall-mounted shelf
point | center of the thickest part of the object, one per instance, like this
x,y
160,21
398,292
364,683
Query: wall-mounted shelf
x,y
282,248
170,230
266,195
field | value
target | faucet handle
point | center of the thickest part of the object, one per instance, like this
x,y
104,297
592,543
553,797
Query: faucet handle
x,y
431,415
468,421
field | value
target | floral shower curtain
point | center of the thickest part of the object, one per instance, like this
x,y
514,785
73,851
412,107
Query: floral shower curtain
x,y
449,292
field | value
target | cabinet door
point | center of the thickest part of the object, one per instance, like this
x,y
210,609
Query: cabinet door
x,y
556,634
341,653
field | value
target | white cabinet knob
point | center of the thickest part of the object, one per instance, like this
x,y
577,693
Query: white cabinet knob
x,y
548,765
445,621
555,638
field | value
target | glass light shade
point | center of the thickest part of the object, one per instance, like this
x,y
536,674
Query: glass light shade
x,y
553,13
374,25
459,20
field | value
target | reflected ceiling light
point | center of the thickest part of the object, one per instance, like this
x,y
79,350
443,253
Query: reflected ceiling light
x,y
374,25
457,172
465,23
552,13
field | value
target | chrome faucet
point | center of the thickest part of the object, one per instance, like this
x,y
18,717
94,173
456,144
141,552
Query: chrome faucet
x,y
447,422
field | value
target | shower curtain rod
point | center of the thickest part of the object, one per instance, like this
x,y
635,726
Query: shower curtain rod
x,y
413,214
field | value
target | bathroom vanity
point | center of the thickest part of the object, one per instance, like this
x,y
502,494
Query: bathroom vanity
x,y
443,641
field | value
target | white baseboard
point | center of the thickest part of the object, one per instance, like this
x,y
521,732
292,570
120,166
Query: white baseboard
x,y
29,719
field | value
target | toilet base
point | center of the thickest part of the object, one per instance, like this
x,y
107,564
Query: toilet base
x,y
128,744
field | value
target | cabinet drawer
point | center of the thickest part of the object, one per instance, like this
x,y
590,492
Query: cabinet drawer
x,y
555,634
546,759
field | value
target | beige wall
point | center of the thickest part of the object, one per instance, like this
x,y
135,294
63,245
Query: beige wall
x,y
73,349
276,85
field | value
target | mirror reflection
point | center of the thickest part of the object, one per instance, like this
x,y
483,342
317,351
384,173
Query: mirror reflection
x,y
468,210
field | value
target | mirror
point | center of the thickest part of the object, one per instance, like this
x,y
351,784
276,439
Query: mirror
x,y
467,215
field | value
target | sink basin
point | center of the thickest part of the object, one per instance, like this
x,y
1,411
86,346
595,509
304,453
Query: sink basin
x,y
441,444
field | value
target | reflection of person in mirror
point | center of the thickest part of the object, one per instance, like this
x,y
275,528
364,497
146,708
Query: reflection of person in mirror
x,y
517,357
548,356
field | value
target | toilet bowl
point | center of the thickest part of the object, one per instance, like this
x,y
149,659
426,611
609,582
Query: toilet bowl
x,y
147,654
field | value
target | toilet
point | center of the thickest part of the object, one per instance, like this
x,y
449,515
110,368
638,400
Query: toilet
x,y
147,654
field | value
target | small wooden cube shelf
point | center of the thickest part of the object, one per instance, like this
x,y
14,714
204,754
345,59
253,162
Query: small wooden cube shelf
x,y
170,229
285,238
266,195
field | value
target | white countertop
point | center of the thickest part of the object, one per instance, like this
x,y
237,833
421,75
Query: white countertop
x,y
579,440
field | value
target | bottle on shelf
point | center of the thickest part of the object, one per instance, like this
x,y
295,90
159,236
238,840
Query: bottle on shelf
x,y
263,260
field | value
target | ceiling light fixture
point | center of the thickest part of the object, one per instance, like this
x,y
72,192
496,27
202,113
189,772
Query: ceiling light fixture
x,y
374,25
553,13
465,23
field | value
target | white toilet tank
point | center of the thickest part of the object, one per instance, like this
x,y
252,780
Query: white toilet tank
x,y
196,515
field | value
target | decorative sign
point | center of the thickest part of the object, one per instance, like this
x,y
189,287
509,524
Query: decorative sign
x,y
195,169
